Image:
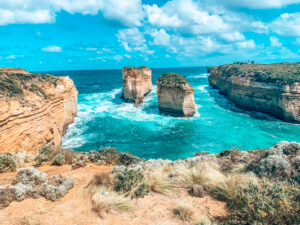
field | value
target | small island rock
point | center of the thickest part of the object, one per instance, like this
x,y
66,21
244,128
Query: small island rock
x,y
175,95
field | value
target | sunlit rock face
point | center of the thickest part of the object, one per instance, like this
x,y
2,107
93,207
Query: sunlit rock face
x,y
35,109
136,83
175,95
268,88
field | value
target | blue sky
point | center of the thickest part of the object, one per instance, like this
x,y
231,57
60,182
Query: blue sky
x,y
102,34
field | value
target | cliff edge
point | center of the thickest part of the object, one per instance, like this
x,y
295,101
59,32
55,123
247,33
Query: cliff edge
x,y
268,88
35,109
175,95
137,83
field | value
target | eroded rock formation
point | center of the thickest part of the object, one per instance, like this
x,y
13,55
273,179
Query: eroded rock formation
x,y
175,95
35,109
272,88
137,83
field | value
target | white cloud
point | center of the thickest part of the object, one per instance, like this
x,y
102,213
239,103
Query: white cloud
x,y
128,13
52,48
234,36
250,44
13,56
91,49
255,4
274,42
287,24
118,58
160,37
133,40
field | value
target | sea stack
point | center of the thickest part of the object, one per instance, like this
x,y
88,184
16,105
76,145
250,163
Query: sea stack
x,y
35,109
136,83
269,88
175,95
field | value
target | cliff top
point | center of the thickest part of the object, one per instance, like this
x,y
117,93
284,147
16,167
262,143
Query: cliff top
x,y
134,71
13,82
173,80
268,73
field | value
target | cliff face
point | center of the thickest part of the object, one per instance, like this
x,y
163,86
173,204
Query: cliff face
x,y
273,88
175,95
34,110
137,83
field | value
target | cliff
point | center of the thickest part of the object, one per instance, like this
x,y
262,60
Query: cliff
x,y
272,88
175,95
35,109
137,83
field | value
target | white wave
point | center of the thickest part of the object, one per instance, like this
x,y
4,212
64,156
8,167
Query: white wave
x,y
202,87
202,75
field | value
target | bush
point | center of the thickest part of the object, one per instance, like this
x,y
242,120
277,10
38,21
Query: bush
x,y
142,190
264,203
102,179
7,164
184,213
58,160
128,159
127,180
45,154
109,155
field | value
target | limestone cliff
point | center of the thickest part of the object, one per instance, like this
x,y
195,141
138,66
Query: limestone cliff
x,y
34,109
272,88
175,95
136,83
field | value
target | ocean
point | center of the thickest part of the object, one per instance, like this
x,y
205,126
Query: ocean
x,y
106,120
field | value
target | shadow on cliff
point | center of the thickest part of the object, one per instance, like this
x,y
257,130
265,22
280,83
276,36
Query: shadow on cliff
x,y
223,102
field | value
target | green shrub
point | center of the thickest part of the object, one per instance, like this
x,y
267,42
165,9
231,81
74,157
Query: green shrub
x,y
58,160
7,164
128,159
142,190
264,203
184,213
109,155
45,154
128,181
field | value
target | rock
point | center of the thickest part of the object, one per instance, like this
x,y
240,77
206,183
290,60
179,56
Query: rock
x,y
137,83
175,95
268,88
36,111
7,164
58,160
274,166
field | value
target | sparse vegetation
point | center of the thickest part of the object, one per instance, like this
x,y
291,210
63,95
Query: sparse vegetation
x,y
171,80
184,213
7,164
45,154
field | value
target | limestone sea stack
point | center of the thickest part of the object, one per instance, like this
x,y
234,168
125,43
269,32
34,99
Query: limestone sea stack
x,y
136,83
175,95
35,110
268,88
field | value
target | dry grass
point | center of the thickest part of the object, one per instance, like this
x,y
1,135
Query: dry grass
x,y
104,179
68,155
185,213
104,201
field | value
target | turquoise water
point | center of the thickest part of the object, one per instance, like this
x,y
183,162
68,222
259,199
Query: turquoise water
x,y
105,120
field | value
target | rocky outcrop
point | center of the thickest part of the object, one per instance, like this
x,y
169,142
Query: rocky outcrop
x,y
175,95
272,88
35,109
137,83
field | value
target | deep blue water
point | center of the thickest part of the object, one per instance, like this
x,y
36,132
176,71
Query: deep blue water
x,y
105,120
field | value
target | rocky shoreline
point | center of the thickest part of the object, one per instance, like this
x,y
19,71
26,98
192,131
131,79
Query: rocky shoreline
x,y
268,88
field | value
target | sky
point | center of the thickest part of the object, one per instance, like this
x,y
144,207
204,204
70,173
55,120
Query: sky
x,y
45,35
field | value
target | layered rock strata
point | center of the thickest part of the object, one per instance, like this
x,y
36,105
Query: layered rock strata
x,y
175,95
35,109
137,83
272,88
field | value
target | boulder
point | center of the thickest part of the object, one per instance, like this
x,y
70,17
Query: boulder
x,y
137,83
175,95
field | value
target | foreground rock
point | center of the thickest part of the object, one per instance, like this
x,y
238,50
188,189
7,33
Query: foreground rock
x,y
272,88
34,109
30,182
175,95
137,83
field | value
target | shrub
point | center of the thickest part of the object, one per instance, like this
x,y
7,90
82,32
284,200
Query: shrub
x,y
58,160
128,159
128,180
142,190
264,203
109,155
68,155
45,154
103,179
7,164
184,213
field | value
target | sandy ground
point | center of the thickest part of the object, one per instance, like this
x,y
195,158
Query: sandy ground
x,y
75,208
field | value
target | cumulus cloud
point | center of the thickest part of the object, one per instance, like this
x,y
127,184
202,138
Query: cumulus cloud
x,y
128,13
249,44
274,42
287,24
52,48
233,36
160,37
133,40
